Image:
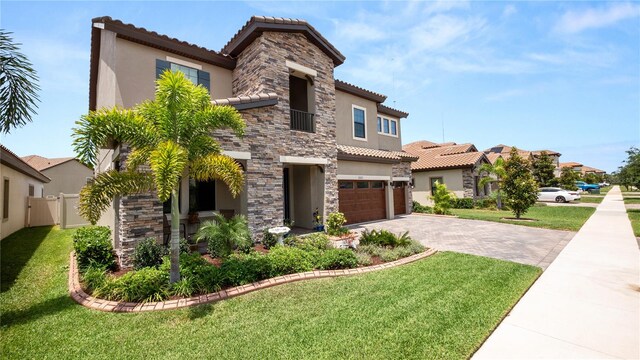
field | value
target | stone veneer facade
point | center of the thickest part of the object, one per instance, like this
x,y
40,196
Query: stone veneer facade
x,y
403,169
261,68
468,182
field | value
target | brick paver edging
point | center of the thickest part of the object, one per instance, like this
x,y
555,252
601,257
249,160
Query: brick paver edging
x,y
119,306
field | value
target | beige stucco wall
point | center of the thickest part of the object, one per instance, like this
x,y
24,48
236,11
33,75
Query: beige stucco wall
x,y
344,124
18,192
66,178
363,168
422,184
135,71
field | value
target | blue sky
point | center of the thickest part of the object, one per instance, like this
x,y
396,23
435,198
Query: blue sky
x,y
538,75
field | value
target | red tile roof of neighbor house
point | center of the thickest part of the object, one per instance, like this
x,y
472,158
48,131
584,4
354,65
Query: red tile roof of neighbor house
x,y
506,149
433,156
589,169
493,157
10,159
570,164
42,163
355,151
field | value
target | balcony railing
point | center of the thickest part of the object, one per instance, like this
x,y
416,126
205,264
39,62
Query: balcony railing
x,y
303,121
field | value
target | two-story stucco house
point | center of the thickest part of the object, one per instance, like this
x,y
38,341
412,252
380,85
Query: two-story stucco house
x,y
312,142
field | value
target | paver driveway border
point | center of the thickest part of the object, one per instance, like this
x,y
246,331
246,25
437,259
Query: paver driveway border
x,y
522,244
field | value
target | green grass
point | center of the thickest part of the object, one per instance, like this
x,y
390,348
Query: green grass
x,y
634,216
632,200
590,199
440,307
549,217
605,189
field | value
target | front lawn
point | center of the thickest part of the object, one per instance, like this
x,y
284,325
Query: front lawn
x,y
590,199
550,217
440,307
634,216
632,200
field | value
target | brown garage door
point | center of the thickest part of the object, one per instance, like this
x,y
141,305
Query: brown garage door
x,y
362,201
399,201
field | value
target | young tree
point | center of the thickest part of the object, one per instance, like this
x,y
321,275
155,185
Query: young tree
x,y
568,178
494,173
170,134
632,168
543,168
591,178
520,188
442,199
18,85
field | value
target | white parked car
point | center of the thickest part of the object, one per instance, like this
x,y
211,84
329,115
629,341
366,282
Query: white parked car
x,y
603,184
557,195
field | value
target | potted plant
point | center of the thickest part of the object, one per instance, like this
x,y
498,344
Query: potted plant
x,y
317,221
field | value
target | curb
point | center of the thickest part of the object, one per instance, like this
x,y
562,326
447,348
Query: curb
x,y
86,300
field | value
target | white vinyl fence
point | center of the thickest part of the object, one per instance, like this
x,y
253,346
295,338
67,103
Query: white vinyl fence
x,y
62,210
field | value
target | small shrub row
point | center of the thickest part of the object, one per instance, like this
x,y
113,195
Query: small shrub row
x,y
387,254
311,242
462,203
419,208
148,253
384,238
93,247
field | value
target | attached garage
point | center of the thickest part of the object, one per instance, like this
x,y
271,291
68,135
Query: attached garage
x,y
361,200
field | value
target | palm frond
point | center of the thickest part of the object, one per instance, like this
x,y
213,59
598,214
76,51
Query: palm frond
x,y
18,85
219,167
96,129
222,117
96,196
167,162
203,145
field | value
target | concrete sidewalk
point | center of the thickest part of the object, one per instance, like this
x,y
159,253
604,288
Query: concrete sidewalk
x,y
586,304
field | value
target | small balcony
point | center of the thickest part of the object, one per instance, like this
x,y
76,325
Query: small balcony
x,y
302,121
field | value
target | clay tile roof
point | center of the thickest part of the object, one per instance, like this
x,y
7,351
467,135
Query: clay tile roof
x,y
361,92
258,24
42,163
380,154
589,169
432,156
248,101
10,159
391,111
493,157
570,164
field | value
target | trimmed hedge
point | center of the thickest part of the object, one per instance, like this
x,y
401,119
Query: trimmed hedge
x,y
93,248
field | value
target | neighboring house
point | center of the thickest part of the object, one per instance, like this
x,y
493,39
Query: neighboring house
x,y
312,142
19,180
455,165
505,150
68,175
581,168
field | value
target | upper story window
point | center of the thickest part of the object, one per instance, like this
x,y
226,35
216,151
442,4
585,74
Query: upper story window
x,y
387,126
198,77
359,123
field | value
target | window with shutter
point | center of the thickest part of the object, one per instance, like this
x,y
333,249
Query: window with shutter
x,y
198,77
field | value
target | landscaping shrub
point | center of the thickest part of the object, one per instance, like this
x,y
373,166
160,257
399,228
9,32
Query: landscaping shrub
x,y
204,277
391,254
290,260
92,245
225,235
147,284
147,254
442,199
486,203
335,224
520,188
311,242
419,208
364,259
185,287
335,259
462,203
184,246
268,239
373,250
384,238
94,277
240,269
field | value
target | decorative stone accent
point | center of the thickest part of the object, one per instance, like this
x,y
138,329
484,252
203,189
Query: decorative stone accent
x,y
403,169
84,299
468,183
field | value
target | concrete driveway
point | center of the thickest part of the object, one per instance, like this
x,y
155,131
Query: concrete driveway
x,y
517,243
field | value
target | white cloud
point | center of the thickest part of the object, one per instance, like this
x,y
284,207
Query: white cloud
x,y
509,10
433,7
441,31
569,57
577,21
358,31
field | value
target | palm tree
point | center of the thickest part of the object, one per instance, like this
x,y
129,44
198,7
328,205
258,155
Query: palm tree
x,y
166,136
496,169
18,85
